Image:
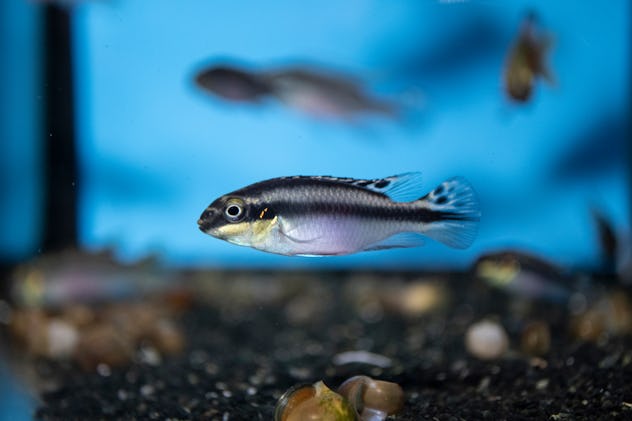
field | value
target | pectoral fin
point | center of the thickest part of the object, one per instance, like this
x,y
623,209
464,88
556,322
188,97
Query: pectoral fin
x,y
290,234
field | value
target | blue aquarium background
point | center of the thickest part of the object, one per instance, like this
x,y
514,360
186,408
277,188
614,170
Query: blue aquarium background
x,y
154,150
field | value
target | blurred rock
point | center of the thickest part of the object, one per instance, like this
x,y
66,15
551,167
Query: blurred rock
x,y
610,315
102,343
104,334
416,298
536,338
486,340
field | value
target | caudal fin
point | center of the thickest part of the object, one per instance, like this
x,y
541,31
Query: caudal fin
x,y
456,213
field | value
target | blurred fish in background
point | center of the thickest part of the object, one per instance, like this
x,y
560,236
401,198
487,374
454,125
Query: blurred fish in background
x,y
322,94
526,61
524,275
607,240
88,308
614,248
76,277
233,84
325,94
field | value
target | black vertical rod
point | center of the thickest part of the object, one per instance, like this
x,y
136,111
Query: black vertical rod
x,y
60,191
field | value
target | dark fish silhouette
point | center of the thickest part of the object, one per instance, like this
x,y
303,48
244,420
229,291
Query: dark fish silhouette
x,y
316,93
523,275
526,61
325,94
608,243
232,84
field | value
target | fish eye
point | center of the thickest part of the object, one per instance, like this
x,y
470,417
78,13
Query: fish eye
x,y
234,210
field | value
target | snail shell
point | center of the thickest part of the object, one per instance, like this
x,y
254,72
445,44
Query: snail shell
x,y
313,402
373,400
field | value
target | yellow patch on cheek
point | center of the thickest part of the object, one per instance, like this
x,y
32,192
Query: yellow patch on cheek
x,y
247,233
232,230
261,228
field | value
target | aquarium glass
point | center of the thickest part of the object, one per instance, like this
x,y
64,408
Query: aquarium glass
x,y
155,150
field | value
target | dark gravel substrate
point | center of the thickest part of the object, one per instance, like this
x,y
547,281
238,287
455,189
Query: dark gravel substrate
x,y
243,353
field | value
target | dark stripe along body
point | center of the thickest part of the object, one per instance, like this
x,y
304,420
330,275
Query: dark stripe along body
x,y
344,215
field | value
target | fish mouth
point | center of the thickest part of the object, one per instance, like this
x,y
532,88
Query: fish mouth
x,y
205,222
204,225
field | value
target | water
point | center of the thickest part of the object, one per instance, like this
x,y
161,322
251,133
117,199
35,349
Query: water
x,y
154,150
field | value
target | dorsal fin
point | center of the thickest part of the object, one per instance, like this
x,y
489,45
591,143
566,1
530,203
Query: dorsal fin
x,y
404,187
400,188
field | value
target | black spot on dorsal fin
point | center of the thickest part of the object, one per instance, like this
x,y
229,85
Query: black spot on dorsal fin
x,y
400,188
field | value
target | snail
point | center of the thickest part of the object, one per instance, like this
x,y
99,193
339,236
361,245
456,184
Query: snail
x,y
372,400
313,402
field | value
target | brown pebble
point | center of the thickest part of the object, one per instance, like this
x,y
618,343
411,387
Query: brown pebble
x,y
588,326
167,337
78,315
619,313
29,327
536,338
102,343
421,297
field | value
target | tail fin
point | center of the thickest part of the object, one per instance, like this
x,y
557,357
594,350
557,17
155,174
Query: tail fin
x,y
455,204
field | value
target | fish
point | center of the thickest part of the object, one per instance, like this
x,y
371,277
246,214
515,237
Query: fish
x,y
67,277
324,94
524,275
607,239
325,215
232,84
527,61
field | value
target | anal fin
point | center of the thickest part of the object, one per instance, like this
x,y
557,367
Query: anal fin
x,y
400,240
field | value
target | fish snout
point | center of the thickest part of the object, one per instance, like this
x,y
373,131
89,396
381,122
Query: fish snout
x,y
205,221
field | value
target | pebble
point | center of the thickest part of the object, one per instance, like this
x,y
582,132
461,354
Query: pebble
x,y
542,384
104,370
5,312
588,326
486,340
102,343
167,337
362,357
62,339
422,297
149,355
536,338
147,390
